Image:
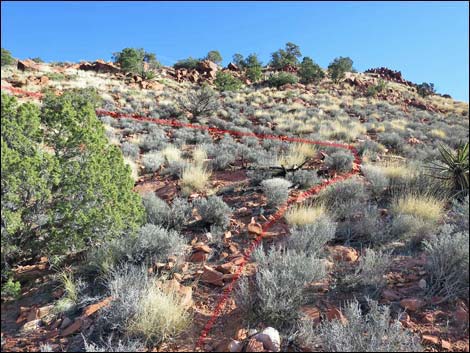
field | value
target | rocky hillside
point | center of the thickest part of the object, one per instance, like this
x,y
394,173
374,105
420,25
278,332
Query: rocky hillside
x,y
293,217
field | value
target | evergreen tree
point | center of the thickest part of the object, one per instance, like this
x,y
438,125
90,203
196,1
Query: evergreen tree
x,y
309,72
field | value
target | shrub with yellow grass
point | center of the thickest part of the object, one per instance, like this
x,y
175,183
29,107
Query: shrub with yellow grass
x,y
161,315
199,155
300,215
297,155
424,207
194,178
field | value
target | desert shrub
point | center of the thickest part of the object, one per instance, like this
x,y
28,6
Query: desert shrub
x,y
365,225
340,161
370,271
213,210
374,331
311,238
154,140
281,78
304,178
157,210
189,63
309,72
460,213
425,89
6,58
152,161
448,263
11,289
160,315
194,178
135,61
276,191
344,197
198,102
175,168
285,57
373,90
225,81
391,140
214,56
454,168
78,194
278,286
151,244
378,180
130,150
370,147
110,346
338,68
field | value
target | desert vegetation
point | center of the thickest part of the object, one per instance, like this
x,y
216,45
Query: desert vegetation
x,y
132,206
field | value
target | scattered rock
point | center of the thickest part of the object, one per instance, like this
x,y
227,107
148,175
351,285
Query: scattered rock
x,y
31,326
254,228
212,276
65,323
311,313
93,308
343,253
73,328
235,346
45,310
335,314
199,256
232,67
390,294
446,345
254,346
27,65
429,339
412,304
270,339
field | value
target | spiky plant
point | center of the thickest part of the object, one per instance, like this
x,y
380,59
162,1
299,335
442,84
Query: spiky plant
x,y
454,168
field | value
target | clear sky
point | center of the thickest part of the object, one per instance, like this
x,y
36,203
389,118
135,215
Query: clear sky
x,y
427,41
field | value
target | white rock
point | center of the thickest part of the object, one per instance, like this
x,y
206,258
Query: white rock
x,y
270,339
422,283
235,346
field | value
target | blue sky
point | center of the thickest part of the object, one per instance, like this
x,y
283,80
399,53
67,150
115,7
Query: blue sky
x,y
427,41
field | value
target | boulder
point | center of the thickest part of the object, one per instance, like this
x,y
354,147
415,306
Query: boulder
x,y
232,67
27,65
270,339
412,304
212,276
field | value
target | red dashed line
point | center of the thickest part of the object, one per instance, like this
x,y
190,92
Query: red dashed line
x,y
274,218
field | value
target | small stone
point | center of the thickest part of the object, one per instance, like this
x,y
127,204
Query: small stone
x,y
199,256
446,345
31,326
235,346
270,339
428,339
212,276
254,346
73,328
412,304
390,295
422,283
311,313
344,253
91,309
336,314
65,323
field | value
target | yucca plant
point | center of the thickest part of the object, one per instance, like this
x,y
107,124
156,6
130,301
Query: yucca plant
x,y
454,168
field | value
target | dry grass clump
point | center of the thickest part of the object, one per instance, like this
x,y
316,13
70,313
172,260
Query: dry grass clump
x,y
133,166
171,153
194,178
199,155
300,215
160,315
424,207
438,133
297,155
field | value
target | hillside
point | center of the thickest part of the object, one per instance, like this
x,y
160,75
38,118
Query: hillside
x,y
292,207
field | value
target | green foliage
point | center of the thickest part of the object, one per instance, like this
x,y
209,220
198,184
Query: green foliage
x,y
425,89
200,101
338,67
286,57
454,168
309,72
253,68
7,59
224,81
11,289
281,78
373,90
189,63
214,56
135,60
63,185
238,60
37,60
